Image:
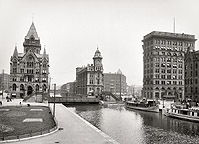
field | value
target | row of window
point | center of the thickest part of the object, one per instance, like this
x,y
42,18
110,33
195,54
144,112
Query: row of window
x,y
162,71
169,42
162,59
163,53
191,81
174,71
30,71
157,82
191,89
168,76
191,73
29,79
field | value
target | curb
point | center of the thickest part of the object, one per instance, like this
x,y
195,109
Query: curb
x,y
108,138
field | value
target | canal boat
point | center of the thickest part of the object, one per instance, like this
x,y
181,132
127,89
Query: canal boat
x,y
144,105
183,112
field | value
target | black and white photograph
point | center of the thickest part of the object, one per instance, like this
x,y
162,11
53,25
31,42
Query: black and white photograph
x,y
99,71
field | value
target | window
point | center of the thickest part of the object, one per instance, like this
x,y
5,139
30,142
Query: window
x,y
168,82
163,70
157,70
14,87
174,71
163,76
174,77
180,77
157,76
168,59
163,65
163,82
168,76
14,70
21,70
157,64
169,71
157,82
168,65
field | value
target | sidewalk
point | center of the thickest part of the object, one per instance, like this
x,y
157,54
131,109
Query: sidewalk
x,y
75,130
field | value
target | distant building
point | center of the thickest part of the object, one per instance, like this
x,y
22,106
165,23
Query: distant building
x,y
89,79
68,89
163,59
115,83
29,70
5,82
192,75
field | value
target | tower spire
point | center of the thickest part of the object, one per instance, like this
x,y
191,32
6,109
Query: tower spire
x,y
32,32
15,54
174,25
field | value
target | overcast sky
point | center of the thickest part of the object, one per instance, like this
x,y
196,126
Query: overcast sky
x,y
72,29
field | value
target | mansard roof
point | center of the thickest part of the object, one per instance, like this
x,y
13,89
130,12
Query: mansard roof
x,y
32,32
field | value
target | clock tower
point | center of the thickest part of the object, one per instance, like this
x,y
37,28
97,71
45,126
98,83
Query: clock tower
x,y
97,60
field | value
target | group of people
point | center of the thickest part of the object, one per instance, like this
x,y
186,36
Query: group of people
x,y
8,99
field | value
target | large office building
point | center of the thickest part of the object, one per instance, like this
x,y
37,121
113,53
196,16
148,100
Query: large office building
x,y
163,61
89,79
115,83
29,70
192,75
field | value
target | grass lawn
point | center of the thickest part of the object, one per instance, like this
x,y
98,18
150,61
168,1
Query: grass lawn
x,y
12,117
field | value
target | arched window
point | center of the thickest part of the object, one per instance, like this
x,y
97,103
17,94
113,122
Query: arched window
x,y
37,87
44,87
14,87
21,87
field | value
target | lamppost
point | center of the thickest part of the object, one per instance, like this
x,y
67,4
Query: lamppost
x,y
54,101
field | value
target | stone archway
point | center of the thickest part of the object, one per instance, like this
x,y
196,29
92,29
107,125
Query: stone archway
x,y
29,90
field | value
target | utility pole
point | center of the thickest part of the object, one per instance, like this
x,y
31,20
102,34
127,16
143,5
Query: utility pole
x,y
120,86
49,90
2,83
54,101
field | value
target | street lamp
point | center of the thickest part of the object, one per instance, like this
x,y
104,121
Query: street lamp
x,y
54,101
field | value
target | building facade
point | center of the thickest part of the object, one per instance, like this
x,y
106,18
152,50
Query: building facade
x,y
68,89
192,75
29,70
163,61
115,83
4,82
89,79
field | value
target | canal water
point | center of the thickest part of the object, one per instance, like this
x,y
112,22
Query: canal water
x,y
138,127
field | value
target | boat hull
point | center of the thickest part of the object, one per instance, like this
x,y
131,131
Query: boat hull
x,y
183,117
148,109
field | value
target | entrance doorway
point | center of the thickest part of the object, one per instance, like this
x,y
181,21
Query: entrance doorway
x,y
30,90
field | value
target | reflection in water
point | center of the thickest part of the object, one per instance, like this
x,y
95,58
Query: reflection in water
x,y
134,127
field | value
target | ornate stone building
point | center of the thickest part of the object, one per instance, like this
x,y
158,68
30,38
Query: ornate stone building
x,y
89,80
163,61
29,70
